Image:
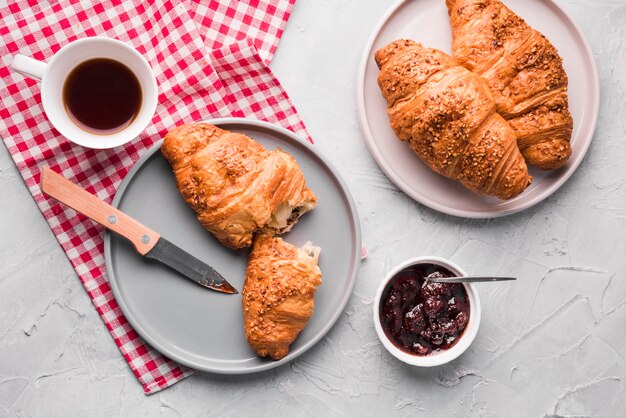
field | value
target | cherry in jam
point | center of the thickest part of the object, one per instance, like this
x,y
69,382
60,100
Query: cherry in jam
x,y
419,316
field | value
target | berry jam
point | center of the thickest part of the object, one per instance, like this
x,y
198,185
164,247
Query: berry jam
x,y
419,316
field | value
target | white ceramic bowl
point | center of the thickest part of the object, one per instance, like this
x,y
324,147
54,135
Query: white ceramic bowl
x,y
436,358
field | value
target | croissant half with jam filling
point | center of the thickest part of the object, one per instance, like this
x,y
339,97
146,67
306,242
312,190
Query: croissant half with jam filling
x,y
524,71
448,117
236,187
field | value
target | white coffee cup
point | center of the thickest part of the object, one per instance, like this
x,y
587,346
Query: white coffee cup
x,y
53,74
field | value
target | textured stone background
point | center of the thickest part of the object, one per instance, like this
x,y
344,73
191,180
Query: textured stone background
x,y
552,344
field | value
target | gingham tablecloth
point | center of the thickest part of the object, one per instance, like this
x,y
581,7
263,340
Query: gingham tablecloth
x,y
210,59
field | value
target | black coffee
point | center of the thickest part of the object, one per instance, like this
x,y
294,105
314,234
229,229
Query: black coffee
x,y
102,96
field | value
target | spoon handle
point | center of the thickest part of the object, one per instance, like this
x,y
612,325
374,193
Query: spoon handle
x,y
468,279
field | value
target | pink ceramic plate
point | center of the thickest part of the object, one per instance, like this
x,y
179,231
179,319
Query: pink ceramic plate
x,y
426,21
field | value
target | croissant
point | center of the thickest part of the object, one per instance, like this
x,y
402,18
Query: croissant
x,y
236,187
277,296
447,116
524,71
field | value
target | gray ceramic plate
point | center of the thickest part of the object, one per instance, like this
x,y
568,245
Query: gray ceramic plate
x,y
204,329
426,21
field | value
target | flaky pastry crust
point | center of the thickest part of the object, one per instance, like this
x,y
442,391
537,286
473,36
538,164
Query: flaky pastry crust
x,y
447,116
277,296
237,187
524,71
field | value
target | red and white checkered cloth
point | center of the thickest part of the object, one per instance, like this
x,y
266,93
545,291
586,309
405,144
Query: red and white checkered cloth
x,y
210,60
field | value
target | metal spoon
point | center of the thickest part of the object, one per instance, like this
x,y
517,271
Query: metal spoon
x,y
467,279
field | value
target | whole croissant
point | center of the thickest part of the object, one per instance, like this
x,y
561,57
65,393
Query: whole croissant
x,y
447,116
277,296
524,71
237,187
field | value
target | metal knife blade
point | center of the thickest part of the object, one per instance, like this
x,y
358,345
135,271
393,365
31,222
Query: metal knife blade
x,y
188,265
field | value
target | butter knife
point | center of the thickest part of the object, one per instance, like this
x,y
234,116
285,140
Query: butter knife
x,y
147,242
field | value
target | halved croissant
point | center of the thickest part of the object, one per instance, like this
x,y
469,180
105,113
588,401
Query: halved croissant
x,y
237,187
277,297
447,116
524,71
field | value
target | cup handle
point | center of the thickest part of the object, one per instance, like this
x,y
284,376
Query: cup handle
x,y
28,67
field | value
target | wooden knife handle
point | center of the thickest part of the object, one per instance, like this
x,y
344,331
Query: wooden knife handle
x,y
63,190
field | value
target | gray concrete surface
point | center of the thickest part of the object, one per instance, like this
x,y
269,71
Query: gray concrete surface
x,y
552,344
